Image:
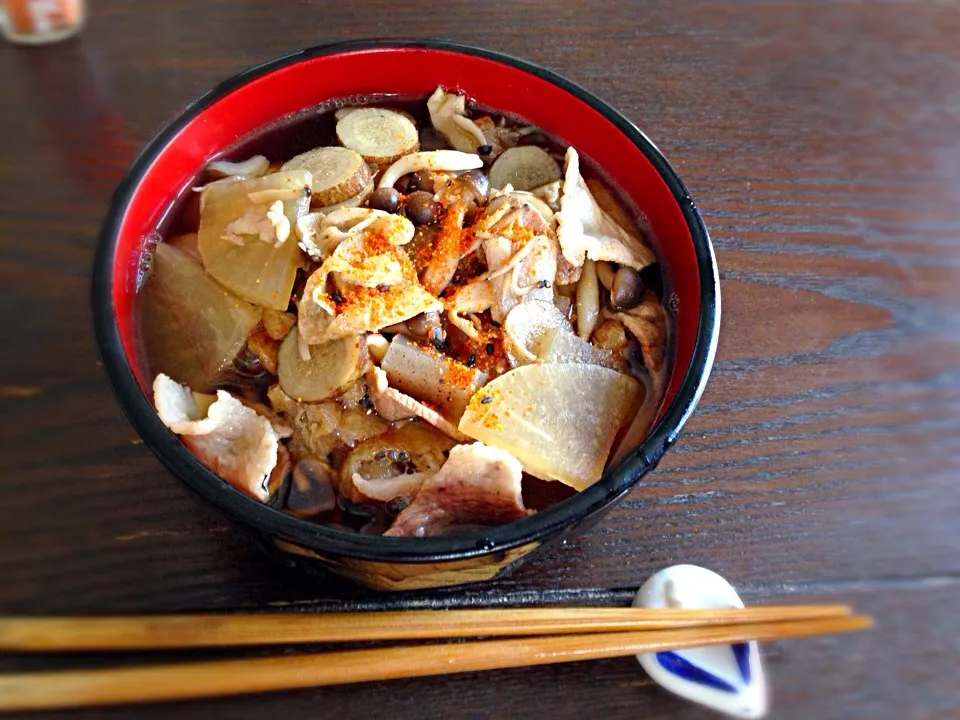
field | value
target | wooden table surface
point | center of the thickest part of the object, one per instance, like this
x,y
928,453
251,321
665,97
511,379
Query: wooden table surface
x,y
822,142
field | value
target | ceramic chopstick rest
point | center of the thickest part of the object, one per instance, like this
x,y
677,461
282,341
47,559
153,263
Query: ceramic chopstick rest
x,y
728,678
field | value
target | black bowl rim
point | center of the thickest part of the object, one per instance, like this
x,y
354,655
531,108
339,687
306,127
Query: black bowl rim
x,y
340,543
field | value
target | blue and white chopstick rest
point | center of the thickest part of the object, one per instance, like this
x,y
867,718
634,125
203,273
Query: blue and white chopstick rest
x,y
728,678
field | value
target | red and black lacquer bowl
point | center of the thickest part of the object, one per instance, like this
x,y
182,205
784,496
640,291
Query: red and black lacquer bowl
x,y
307,78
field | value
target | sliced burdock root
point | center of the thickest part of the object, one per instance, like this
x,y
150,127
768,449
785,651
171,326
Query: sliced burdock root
x,y
331,369
339,174
381,136
525,168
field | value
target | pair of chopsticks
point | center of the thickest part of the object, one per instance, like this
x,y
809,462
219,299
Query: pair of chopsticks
x,y
550,635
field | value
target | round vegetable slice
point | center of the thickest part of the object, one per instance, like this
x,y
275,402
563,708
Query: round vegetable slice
x,y
351,202
379,135
558,420
338,173
525,168
331,369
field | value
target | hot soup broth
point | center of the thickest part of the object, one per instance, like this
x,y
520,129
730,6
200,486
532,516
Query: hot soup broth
x,y
409,318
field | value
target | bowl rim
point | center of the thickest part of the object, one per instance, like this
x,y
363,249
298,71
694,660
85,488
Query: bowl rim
x,y
533,529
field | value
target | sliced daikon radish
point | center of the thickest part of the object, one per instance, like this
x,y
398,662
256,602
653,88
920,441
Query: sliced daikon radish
x,y
558,420
525,168
256,270
525,324
188,244
338,173
331,369
379,135
192,326
560,345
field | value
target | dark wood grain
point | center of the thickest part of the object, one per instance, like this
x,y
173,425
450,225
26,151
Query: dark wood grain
x,y
820,141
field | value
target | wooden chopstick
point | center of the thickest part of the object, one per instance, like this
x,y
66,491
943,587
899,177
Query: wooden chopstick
x,y
190,631
75,688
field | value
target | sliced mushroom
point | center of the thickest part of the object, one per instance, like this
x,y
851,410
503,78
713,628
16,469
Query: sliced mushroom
x,y
606,273
321,234
447,250
627,289
652,339
448,115
525,168
381,136
588,300
339,173
476,296
385,199
432,160
332,367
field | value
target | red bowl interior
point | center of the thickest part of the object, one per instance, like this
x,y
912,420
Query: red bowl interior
x,y
407,71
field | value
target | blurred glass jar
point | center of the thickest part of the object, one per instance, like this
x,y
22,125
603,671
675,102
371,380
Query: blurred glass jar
x,y
41,21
